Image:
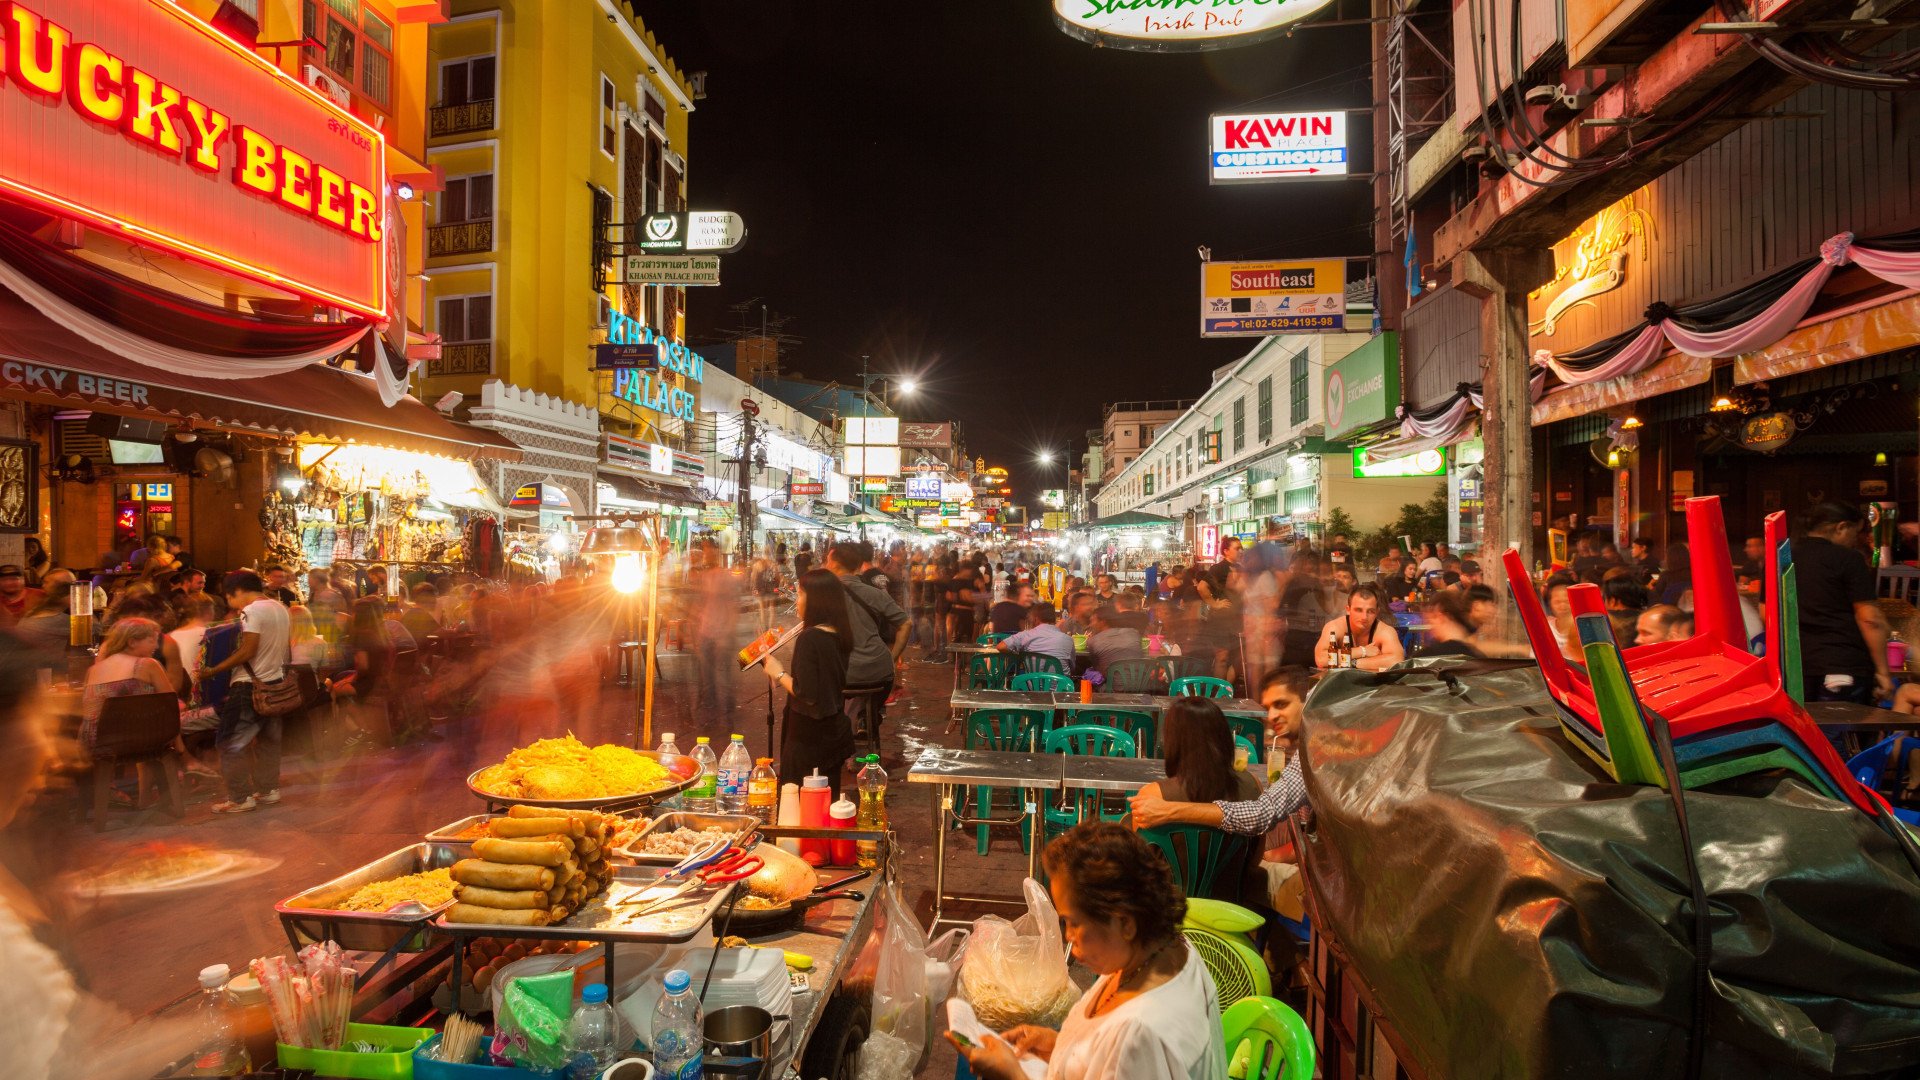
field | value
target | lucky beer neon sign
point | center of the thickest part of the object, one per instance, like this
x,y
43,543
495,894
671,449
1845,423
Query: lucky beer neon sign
x,y
190,141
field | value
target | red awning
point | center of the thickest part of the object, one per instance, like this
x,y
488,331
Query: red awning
x,y
43,361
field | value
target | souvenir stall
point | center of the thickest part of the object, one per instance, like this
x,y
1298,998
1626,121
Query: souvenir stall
x,y
353,506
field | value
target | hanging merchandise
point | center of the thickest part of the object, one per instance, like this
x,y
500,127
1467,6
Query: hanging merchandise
x,y
365,505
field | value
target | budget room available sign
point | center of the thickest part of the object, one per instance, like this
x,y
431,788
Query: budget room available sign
x,y
1277,146
1179,25
141,120
1273,296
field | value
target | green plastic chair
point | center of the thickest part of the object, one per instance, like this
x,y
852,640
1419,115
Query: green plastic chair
x,y
1012,730
1140,725
1133,677
1028,663
1043,680
991,639
987,672
1266,1040
1084,804
1253,730
1199,855
1200,686
1185,667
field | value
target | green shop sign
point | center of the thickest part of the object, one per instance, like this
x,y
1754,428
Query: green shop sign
x,y
1363,386
1424,463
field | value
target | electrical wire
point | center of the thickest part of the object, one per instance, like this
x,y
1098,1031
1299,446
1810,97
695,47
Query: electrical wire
x,y
1834,63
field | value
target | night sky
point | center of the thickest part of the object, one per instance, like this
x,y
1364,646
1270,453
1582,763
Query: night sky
x,y
964,192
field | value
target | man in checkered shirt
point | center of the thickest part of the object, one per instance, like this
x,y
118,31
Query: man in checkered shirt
x,y
1283,692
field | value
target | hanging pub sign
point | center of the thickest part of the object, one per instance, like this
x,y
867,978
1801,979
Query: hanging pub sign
x,y
140,120
1768,432
1179,25
691,232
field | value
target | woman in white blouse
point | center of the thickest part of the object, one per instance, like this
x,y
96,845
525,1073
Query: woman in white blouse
x,y
1152,1014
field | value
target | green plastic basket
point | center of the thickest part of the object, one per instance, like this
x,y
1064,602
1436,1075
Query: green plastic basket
x,y
396,1063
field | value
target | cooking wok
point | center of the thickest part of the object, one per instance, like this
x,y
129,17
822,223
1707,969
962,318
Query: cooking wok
x,y
746,920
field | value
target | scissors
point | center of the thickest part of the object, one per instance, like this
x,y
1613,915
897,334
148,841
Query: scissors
x,y
723,864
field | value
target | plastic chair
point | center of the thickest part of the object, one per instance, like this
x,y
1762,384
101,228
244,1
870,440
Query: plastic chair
x,y
1030,663
987,672
1200,686
1871,766
1184,667
1132,677
1084,804
1273,1038
1010,730
1043,680
1139,725
1198,855
1252,730
137,730
991,639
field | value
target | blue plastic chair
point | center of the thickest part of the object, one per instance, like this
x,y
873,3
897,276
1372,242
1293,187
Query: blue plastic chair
x,y
1870,766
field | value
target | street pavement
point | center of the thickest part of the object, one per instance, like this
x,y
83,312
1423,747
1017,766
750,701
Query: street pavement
x,y
343,809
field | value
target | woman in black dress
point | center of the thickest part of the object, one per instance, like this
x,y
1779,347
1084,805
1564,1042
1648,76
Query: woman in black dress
x,y
815,731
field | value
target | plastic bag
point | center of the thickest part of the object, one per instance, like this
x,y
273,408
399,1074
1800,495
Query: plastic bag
x,y
943,956
1016,972
900,984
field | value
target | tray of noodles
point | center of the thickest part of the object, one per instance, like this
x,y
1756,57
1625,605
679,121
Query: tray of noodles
x,y
569,774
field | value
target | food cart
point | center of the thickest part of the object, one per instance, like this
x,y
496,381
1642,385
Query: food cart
x,y
412,961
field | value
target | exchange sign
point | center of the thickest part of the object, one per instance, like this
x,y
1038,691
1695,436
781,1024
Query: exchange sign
x,y
1255,299
141,120
1179,25
1277,146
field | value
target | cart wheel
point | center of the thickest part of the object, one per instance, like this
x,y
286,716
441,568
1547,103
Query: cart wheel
x,y
842,1028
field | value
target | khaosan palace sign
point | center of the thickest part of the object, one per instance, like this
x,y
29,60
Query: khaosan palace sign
x,y
649,388
1179,25
139,119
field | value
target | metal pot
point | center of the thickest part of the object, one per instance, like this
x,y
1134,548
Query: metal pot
x,y
739,1031
630,1069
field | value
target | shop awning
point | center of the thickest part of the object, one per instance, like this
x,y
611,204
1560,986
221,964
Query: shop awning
x,y
1132,519
44,362
789,519
650,489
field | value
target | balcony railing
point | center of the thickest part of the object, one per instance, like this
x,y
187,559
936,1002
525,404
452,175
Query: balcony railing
x,y
460,119
459,238
463,358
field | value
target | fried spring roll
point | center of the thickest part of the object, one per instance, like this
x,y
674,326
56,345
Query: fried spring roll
x,y
510,828
471,913
547,852
479,896
496,875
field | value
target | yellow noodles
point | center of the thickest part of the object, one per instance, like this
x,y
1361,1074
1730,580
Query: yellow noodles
x,y
567,768
432,889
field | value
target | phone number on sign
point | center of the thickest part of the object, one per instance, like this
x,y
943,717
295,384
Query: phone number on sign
x,y
1277,322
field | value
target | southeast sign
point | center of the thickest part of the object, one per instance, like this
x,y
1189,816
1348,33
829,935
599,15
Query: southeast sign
x,y
673,270
1179,25
1274,296
1276,146
693,231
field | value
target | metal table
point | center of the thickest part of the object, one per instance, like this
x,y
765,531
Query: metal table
x,y
963,655
1847,716
1111,773
964,700
990,768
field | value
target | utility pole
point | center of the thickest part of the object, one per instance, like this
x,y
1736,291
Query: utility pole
x,y
749,411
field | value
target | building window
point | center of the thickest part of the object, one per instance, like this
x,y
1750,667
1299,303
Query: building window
x,y
467,198
356,46
1239,424
1263,422
601,252
466,318
1297,389
463,82
609,111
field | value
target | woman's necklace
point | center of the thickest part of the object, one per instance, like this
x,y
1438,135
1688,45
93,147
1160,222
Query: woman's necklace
x,y
1126,974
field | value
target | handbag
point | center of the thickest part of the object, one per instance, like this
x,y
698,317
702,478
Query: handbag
x,y
276,698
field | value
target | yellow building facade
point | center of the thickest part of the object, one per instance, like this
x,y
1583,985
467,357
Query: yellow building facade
x,y
551,122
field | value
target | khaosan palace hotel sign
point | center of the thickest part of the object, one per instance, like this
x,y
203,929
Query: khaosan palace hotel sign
x,y
136,118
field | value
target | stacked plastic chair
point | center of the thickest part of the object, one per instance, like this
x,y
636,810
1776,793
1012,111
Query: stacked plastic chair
x,y
1728,712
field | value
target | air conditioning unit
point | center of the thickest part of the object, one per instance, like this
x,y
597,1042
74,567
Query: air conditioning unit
x,y
331,88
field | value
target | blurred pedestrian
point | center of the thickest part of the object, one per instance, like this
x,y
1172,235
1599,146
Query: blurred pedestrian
x,y
716,630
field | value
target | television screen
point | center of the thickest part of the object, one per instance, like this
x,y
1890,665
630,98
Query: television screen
x,y
135,453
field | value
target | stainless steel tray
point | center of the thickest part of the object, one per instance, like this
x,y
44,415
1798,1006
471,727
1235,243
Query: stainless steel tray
x,y
308,916
450,832
681,768
599,920
737,826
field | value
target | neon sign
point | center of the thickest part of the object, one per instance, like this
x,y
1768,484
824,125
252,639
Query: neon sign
x,y
651,389
142,120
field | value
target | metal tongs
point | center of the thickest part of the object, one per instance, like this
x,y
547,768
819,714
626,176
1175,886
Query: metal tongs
x,y
720,863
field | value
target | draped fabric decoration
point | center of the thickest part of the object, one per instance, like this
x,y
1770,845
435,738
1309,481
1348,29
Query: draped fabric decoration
x,y
386,372
158,328
1740,322
1449,422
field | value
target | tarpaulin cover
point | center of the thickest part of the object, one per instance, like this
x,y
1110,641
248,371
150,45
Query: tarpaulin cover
x,y
1510,911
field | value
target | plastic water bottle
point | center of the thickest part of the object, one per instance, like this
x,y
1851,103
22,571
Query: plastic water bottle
x,y
668,751
221,1051
736,765
763,791
873,808
677,1039
700,797
593,1040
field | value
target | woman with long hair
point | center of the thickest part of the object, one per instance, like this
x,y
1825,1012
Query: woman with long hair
x,y
815,731
1197,745
125,664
